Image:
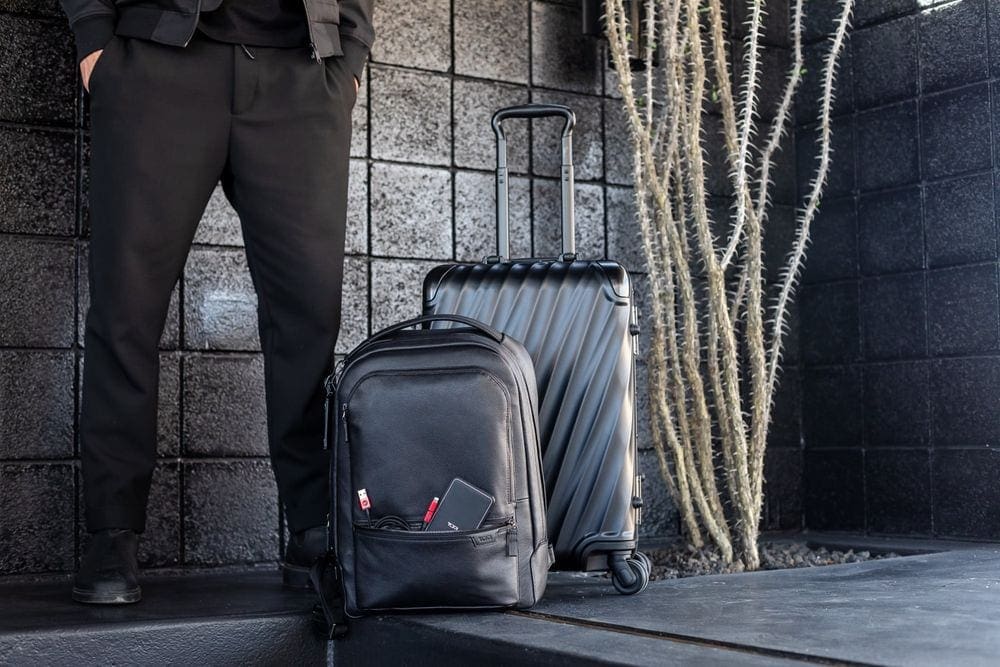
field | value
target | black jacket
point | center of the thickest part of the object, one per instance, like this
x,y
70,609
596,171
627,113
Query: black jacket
x,y
336,27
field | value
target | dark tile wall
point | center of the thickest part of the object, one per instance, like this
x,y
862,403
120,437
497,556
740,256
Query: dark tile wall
x,y
900,322
421,192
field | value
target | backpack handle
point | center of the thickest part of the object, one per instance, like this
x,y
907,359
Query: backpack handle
x,y
333,379
427,319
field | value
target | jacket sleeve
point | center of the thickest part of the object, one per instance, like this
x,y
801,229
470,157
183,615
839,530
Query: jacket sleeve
x,y
357,33
92,22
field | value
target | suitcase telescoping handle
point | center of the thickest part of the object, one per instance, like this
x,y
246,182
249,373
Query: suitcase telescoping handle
x,y
566,174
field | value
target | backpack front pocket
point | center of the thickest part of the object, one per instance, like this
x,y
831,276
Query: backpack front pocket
x,y
409,433
398,569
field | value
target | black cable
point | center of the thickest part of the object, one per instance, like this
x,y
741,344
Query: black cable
x,y
391,522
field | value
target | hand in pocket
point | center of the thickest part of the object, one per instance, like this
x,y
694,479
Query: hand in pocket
x,y
87,67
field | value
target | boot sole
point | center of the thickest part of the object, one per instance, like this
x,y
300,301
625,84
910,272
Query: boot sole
x,y
89,597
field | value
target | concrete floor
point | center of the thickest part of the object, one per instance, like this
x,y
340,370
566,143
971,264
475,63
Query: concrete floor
x,y
930,609
936,609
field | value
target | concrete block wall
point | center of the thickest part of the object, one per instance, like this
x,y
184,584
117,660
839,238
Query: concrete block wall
x,y
421,193
900,317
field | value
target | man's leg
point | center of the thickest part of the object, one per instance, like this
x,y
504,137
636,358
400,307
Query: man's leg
x,y
287,179
159,135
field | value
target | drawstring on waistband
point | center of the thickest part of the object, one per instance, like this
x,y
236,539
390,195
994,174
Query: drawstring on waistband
x,y
247,51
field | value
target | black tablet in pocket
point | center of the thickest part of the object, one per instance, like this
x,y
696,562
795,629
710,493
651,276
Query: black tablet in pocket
x,y
463,507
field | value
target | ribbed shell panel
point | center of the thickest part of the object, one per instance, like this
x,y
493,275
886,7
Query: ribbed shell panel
x,y
573,318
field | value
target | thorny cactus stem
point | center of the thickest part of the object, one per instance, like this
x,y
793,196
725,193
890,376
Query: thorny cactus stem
x,y
710,312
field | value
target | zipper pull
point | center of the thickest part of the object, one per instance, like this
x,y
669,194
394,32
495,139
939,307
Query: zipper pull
x,y
326,423
343,418
331,390
247,51
512,541
315,52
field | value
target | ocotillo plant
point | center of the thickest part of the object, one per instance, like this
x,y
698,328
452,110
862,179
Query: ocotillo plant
x,y
717,328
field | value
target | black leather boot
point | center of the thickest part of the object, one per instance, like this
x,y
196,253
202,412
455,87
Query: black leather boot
x,y
109,571
304,547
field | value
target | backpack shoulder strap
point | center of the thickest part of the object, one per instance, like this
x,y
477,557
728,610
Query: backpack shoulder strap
x,y
329,613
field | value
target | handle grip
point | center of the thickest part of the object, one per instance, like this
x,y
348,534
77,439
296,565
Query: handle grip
x,y
566,174
534,111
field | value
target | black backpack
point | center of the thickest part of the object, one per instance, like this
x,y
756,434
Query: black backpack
x,y
408,412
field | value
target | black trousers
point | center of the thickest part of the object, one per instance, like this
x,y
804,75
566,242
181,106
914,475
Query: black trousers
x,y
167,124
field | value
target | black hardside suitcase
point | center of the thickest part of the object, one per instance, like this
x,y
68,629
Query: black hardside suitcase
x,y
578,321
407,412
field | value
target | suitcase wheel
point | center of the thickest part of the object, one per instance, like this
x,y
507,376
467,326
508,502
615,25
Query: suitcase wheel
x,y
629,574
638,555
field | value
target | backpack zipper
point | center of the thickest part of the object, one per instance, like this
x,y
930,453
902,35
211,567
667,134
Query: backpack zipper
x,y
509,523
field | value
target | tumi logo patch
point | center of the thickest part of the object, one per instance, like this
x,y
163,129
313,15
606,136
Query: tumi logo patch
x,y
483,540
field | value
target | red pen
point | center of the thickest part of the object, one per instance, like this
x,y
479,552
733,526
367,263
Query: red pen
x,y
431,509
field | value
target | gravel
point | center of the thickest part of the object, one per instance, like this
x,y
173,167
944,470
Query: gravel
x,y
687,561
